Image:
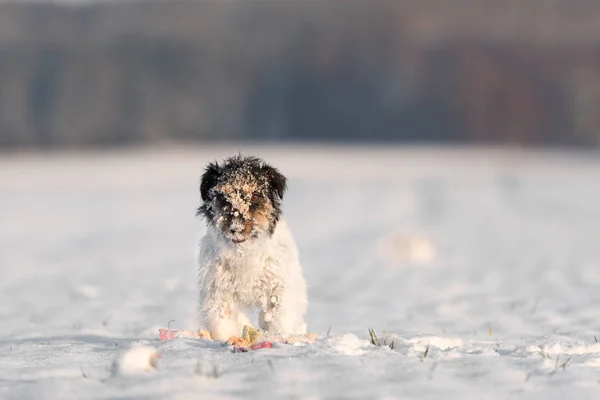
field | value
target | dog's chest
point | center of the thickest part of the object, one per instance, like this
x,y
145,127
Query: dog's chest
x,y
248,277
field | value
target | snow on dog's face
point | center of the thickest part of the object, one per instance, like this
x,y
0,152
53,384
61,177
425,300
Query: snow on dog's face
x,y
242,197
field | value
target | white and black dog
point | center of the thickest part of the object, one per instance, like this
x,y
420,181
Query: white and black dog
x,y
248,257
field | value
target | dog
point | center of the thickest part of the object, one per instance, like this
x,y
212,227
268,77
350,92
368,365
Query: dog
x,y
248,258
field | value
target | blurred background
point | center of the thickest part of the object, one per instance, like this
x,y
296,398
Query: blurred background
x,y
83,73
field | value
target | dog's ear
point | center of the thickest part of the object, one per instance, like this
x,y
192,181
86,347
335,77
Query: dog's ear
x,y
276,180
209,179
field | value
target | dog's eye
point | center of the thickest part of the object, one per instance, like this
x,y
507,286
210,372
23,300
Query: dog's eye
x,y
221,200
255,199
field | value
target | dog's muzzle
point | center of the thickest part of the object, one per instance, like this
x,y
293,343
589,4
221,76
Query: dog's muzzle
x,y
236,232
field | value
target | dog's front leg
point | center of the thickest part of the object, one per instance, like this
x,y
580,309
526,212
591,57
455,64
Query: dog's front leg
x,y
278,314
221,320
285,317
268,308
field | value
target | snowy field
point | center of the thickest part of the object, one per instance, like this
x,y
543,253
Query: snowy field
x,y
499,299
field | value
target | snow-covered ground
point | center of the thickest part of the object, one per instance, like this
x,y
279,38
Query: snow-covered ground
x,y
485,265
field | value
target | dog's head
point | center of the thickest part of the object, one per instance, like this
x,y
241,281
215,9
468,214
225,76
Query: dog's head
x,y
241,197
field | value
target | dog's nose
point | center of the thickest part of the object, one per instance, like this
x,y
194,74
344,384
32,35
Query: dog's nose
x,y
236,228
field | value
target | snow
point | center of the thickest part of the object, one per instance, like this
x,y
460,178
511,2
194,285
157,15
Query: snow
x,y
97,253
136,360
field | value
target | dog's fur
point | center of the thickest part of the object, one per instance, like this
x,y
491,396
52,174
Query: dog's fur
x,y
248,257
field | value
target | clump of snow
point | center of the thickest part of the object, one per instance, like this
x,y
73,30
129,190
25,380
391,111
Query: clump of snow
x,y
87,291
406,248
348,344
136,360
443,343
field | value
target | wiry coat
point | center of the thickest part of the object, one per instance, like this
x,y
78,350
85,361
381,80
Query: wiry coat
x,y
248,257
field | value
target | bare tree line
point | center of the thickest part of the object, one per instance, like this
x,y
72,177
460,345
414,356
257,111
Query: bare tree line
x,y
519,72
